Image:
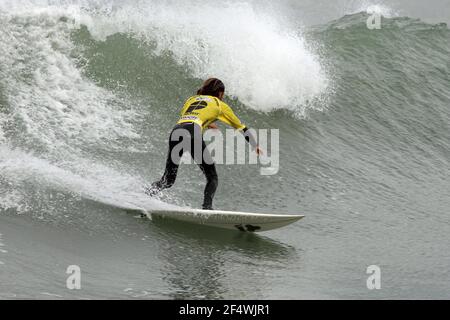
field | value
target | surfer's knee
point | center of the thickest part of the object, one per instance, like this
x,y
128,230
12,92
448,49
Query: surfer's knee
x,y
213,179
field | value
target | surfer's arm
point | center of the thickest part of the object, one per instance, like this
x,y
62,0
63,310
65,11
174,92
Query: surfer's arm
x,y
250,138
227,116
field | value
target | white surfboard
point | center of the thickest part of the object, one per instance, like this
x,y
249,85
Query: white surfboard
x,y
242,221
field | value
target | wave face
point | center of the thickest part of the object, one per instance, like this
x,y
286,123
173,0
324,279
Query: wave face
x,y
71,71
90,89
264,63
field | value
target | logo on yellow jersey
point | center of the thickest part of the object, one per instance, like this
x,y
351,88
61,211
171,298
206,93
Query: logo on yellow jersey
x,y
203,99
196,106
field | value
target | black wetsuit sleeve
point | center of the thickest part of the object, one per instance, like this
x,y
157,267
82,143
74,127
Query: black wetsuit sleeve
x,y
249,137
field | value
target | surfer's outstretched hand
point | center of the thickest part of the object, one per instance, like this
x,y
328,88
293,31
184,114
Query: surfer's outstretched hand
x,y
259,151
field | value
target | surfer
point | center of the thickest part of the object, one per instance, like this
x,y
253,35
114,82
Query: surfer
x,y
199,113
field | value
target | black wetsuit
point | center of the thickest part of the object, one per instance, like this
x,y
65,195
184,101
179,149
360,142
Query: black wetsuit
x,y
198,112
196,146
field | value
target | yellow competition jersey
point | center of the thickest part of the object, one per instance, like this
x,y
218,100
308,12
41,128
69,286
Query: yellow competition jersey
x,y
204,110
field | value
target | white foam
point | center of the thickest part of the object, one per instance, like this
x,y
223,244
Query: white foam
x,y
93,181
372,7
46,89
12,199
263,62
264,65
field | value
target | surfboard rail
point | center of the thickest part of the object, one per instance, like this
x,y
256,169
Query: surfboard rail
x,y
242,221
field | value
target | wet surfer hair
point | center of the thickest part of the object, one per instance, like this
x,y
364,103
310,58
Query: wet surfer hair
x,y
212,87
